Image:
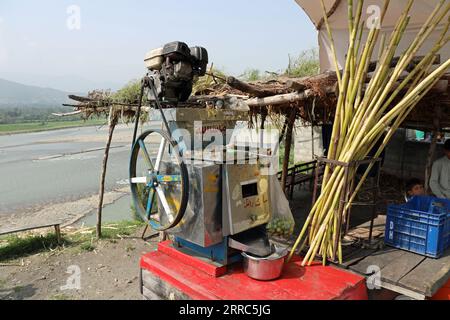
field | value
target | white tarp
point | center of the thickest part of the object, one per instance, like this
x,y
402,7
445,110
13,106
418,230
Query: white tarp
x,y
338,21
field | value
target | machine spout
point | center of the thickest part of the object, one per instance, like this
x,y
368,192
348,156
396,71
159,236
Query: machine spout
x,y
254,241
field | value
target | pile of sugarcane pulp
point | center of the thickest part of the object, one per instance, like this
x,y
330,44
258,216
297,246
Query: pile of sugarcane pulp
x,y
369,114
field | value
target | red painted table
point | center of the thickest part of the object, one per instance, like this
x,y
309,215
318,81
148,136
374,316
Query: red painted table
x,y
171,274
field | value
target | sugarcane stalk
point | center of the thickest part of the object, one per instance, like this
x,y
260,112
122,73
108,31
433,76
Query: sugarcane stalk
x,y
314,246
382,71
362,116
331,150
387,57
377,88
325,202
420,67
408,55
330,36
344,113
330,203
396,125
424,86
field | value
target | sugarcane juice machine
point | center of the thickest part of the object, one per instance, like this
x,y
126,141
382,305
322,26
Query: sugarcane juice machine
x,y
188,179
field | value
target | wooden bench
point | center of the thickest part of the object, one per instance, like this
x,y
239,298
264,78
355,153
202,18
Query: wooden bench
x,y
400,271
299,174
56,225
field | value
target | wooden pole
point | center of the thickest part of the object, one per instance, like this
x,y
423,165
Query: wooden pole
x,y
263,119
432,150
112,125
282,134
261,131
287,150
249,88
281,99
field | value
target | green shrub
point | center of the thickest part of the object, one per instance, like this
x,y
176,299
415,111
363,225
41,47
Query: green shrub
x,y
15,246
306,64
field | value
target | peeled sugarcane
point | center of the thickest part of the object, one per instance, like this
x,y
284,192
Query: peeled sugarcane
x,y
366,115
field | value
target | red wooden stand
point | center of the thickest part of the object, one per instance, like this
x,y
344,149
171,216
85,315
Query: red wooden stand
x,y
169,273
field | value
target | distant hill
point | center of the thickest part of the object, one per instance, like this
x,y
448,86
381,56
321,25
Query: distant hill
x,y
67,83
13,94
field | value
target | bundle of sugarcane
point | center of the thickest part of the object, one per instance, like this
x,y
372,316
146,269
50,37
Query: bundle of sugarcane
x,y
369,114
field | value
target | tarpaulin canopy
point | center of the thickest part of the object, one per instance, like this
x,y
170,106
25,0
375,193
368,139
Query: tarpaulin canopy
x,y
338,13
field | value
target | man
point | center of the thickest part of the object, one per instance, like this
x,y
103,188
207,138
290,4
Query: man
x,y
440,174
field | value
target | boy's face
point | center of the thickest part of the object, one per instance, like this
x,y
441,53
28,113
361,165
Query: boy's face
x,y
417,190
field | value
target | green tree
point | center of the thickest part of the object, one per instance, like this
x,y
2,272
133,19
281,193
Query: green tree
x,y
128,93
306,64
251,75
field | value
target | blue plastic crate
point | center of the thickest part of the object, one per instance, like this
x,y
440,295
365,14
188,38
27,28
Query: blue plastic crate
x,y
421,226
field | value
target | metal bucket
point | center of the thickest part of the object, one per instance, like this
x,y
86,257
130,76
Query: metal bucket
x,y
265,268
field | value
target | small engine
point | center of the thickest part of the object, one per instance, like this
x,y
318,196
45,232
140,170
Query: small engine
x,y
174,68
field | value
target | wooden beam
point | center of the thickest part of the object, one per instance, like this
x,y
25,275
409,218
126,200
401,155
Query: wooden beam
x,y
68,114
429,276
280,99
440,86
248,88
432,149
325,77
403,291
415,61
297,86
29,228
329,14
80,99
263,119
288,98
287,148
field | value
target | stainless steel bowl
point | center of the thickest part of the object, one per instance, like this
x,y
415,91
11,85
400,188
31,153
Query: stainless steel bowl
x,y
267,268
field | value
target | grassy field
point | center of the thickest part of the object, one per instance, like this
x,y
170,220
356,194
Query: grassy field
x,y
44,126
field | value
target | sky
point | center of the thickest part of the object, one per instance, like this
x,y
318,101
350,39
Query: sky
x,y
105,41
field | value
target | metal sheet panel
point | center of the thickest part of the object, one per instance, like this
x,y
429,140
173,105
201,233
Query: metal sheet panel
x,y
202,222
246,200
189,115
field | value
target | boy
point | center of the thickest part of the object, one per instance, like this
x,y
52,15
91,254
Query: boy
x,y
414,187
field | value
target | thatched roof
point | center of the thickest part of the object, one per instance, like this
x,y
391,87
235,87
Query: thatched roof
x,y
313,97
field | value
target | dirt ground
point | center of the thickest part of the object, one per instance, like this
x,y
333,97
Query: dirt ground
x,y
109,272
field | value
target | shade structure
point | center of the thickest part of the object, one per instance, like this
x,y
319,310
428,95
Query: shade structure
x,y
338,19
